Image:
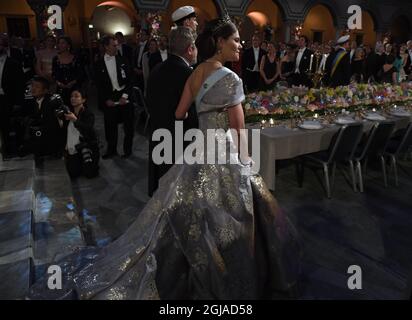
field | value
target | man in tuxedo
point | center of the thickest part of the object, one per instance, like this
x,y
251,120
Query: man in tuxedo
x,y
142,40
114,83
161,55
43,130
251,63
338,64
164,89
375,62
302,64
11,94
185,17
24,55
124,50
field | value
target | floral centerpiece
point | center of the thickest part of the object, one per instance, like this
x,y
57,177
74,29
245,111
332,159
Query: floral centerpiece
x,y
283,103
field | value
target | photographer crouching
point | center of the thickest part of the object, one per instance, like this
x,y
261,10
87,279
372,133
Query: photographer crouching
x,y
82,148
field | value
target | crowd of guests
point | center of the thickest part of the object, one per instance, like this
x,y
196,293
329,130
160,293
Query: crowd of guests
x,y
52,119
266,64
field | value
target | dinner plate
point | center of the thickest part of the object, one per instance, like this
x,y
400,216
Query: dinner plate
x,y
400,113
374,117
311,125
346,120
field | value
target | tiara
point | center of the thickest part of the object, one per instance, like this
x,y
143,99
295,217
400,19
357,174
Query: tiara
x,y
223,21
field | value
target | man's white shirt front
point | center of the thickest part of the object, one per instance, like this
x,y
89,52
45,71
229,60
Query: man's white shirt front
x,y
163,54
110,62
256,55
2,64
299,59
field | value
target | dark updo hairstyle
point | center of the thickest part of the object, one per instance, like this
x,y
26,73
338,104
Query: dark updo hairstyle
x,y
206,42
68,41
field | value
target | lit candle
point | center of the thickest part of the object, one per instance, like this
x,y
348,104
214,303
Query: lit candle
x,y
316,116
373,110
324,62
271,121
311,63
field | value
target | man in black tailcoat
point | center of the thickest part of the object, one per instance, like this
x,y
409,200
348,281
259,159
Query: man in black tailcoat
x,y
164,89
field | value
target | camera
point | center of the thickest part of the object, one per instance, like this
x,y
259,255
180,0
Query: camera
x,y
85,152
60,108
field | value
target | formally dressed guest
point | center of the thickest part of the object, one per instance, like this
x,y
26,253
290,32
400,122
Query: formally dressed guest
x,y
353,48
398,63
114,82
29,59
403,53
44,58
67,71
302,63
153,49
44,129
338,66
251,60
358,67
375,62
408,65
81,143
160,55
11,94
326,51
264,45
142,40
269,68
287,64
164,89
185,17
388,49
389,72
124,49
282,50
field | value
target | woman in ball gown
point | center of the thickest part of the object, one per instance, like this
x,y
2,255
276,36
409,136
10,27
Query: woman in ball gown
x,y
211,231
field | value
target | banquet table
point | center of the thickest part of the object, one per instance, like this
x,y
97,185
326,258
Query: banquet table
x,y
282,142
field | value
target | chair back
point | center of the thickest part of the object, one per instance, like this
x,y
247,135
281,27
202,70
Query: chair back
x,y
406,141
378,139
344,143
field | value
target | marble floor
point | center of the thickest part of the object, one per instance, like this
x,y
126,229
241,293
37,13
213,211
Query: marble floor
x,y
44,215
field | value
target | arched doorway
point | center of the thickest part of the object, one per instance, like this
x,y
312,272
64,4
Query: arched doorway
x,y
113,16
367,35
205,11
319,24
401,29
265,17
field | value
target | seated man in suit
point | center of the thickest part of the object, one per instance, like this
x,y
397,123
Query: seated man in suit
x,y
164,89
43,127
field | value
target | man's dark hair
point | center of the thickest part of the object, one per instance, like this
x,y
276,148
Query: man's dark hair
x,y
119,34
45,83
306,39
181,22
106,40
